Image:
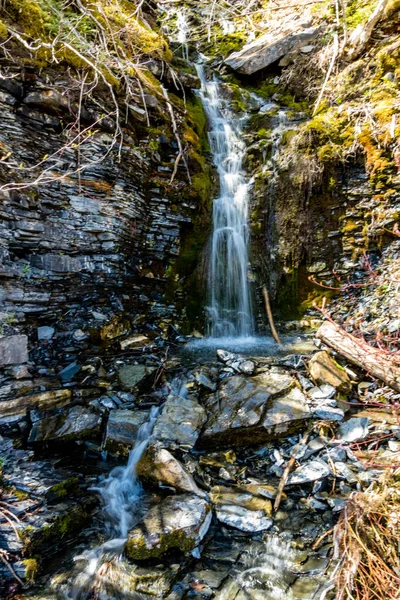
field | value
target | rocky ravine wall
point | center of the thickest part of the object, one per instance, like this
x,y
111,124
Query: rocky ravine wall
x,y
86,259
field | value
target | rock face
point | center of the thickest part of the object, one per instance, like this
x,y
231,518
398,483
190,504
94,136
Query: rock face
x,y
248,411
180,422
325,370
157,465
178,523
267,49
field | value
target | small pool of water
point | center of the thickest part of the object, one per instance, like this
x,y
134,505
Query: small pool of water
x,y
205,348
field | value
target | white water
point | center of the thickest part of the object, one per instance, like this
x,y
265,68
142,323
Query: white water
x,y
230,312
121,492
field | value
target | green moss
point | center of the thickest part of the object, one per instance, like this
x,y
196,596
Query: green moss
x,y
65,489
32,568
136,549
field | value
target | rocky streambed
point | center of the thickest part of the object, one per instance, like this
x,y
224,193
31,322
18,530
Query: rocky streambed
x,y
191,512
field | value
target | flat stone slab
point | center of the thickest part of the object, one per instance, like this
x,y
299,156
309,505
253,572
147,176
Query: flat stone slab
x,y
268,49
246,411
77,423
13,350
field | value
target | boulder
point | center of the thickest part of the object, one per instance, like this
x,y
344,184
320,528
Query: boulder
x,y
122,428
180,422
325,370
240,518
177,523
268,49
248,411
75,423
13,350
157,465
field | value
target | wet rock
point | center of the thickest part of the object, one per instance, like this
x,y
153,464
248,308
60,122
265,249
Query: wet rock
x,y
243,519
43,400
13,350
354,429
248,411
114,329
240,497
180,422
69,372
157,465
45,332
237,363
122,428
135,341
75,423
311,471
179,522
324,369
267,50
130,375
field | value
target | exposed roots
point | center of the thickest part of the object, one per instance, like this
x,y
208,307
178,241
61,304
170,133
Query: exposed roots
x,y
366,542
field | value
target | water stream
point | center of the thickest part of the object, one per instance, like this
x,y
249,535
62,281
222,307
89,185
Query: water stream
x,y
121,493
230,311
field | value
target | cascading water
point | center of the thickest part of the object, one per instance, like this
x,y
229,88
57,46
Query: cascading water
x,y
230,310
121,493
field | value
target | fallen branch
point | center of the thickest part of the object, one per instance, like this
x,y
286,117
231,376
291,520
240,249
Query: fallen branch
x,y
358,352
270,316
296,451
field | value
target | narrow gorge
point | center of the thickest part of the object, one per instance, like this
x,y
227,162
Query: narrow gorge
x,y
199,299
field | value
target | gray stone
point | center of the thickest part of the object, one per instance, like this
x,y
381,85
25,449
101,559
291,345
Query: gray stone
x,y
323,391
177,523
311,471
56,262
122,428
268,49
241,518
329,413
45,332
248,411
157,465
180,422
130,375
69,372
13,350
354,429
75,423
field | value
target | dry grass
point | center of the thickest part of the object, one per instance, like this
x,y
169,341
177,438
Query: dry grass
x,y
367,543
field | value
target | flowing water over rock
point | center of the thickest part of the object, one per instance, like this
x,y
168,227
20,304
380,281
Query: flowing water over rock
x,y
230,311
121,493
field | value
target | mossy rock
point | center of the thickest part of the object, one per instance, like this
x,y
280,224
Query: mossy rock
x,y
179,523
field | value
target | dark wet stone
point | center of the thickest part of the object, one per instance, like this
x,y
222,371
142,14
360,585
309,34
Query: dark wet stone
x,y
75,423
248,411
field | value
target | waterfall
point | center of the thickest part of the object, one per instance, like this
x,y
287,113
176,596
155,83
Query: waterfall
x,y
229,310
